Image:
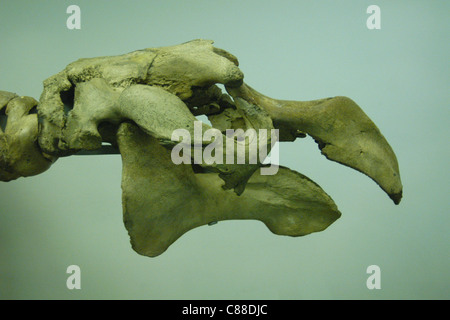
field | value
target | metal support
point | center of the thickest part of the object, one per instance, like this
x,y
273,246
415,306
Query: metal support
x,y
106,149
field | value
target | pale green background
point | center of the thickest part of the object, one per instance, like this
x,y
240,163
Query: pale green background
x,y
299,50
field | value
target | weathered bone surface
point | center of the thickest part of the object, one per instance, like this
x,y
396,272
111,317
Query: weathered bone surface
x,y
345,134
162,201
20,155
137,100
178,70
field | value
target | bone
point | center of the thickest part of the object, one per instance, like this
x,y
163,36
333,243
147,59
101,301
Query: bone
x,y
162,201
137,100
193,64
5,97
176,69
345,134
20,155
158,113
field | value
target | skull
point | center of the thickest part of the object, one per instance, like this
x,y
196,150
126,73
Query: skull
x,y
135,101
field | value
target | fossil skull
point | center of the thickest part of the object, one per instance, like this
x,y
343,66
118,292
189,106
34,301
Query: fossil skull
x,y
135,102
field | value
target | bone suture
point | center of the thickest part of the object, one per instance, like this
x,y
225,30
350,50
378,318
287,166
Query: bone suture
x,y
132,103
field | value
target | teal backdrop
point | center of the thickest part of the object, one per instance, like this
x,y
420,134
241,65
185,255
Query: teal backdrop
x,y
295,50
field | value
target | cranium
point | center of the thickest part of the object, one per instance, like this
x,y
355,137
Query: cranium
x,y
135,102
